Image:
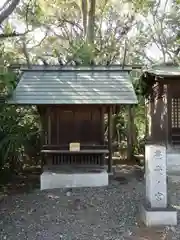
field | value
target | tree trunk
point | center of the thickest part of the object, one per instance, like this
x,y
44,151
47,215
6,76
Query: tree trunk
x,y
25,52
84,9
7,9
91,21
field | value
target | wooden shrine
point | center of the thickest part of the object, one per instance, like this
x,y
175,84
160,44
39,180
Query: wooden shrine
x,y
163,104
72,103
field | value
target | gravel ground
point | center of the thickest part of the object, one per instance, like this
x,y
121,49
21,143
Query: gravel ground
x,y
107,213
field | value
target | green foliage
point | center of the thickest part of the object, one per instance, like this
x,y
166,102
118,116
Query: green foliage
x,y
82,52
120,126
32,12
19,130
144,5
15,132
7,83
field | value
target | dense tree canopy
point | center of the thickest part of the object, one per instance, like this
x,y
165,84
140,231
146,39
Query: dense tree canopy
x,y
64,31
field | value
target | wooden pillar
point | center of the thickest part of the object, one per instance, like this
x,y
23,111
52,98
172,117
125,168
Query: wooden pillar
x,y
130,133
110,139
102,125
49,159
49,125
41,115
146,117
102,134
169,115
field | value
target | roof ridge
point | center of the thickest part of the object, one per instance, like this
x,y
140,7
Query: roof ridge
x,y
73,67
79,68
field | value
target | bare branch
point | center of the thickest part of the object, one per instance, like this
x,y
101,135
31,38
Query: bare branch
x,y
27,13
125,54
165,5
144,55
157,5
42,40
25,52
51,30
7,9
177,51
5,5
73,23
13,34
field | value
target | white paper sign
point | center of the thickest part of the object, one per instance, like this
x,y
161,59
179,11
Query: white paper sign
x,y
74,147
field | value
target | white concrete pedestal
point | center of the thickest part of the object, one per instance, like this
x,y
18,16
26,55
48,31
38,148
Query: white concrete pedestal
x,y
158,217
155,211
53,179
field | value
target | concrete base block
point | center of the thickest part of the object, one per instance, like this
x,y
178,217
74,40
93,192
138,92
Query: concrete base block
x,y
53,179
158,217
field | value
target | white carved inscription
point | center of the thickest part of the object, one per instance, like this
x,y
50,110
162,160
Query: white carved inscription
x,y
155,170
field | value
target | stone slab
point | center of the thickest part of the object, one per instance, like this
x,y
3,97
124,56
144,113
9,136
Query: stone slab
x,y
51,180
158,217
155,172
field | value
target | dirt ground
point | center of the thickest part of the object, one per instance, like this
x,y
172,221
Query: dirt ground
x,y
21,193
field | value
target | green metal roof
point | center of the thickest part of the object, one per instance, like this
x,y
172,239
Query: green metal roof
x,y
74,85
164,70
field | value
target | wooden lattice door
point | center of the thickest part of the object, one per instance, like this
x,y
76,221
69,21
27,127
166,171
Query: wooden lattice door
x,y
175,120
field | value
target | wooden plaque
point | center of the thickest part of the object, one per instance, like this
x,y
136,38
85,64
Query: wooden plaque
x,y
74,146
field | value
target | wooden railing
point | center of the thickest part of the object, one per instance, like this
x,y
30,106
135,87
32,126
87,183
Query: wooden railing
x,y
61,155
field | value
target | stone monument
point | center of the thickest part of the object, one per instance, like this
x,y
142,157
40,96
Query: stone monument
x,y
156,209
